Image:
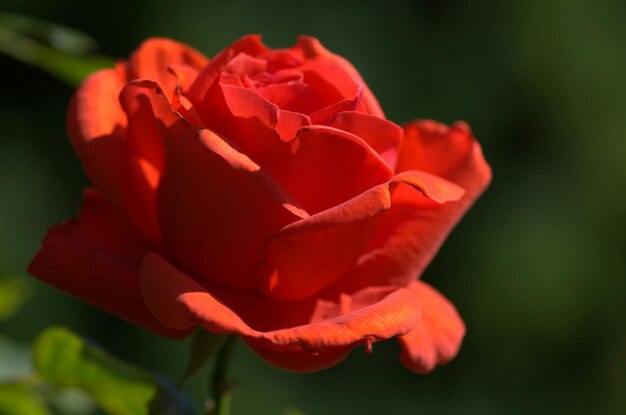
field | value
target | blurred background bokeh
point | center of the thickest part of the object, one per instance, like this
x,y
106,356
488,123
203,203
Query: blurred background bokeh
x,y
537,268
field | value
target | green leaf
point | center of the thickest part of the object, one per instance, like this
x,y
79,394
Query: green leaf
x,y
16,399
204,345
56,49
65,360
60,37
13,293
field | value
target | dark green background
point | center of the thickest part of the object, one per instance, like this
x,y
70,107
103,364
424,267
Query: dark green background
x,y
537,267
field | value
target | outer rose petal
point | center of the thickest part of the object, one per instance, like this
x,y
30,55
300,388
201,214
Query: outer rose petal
x,y
181,303
302,361
97,129
436,339
95,124
311,254
411,232
96,258
153,57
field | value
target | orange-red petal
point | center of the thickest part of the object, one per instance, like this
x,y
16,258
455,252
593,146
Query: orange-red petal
x,y
217,207
319,166
410,233
181,303
96,258
155,55
311,48
382,135
250,45
436,339
96,124
315,252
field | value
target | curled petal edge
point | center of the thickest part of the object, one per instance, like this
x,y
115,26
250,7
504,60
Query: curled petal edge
x,y
180,303
288,275
437,338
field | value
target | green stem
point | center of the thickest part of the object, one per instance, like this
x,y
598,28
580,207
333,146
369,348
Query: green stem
x,y
220,386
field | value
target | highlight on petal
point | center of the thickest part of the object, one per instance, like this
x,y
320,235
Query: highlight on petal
x,y
315,252
96,123
96,258
181,303
143,146
436,339
98,126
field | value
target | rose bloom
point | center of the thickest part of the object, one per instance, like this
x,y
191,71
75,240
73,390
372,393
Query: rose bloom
x,y
264,194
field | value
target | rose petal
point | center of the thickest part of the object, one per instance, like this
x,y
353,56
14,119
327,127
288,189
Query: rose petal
x,y
185,75
144,148
328,84
291,96
97,127
311,48
217,207
250,45
302,361
434,147
436,339
278,59
313,253
196,195
325,115
153,57
321,167
244,65
382,135
410,233
181,303
96,258
248,118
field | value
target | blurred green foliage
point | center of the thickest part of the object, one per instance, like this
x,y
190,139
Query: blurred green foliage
x,y
19,400
66,361
72,376
13,293
58,50
537,269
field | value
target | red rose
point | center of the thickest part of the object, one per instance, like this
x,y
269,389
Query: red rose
x,y
263,194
